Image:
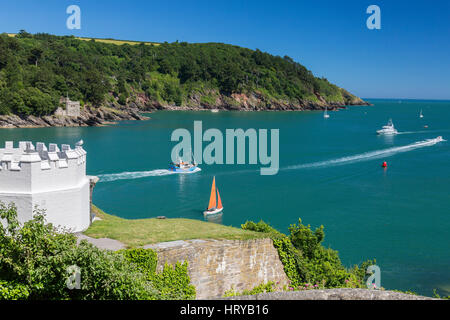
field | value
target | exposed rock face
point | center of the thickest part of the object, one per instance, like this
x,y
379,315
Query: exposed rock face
x,y
249,102
254,101
333,294
89,117
216,266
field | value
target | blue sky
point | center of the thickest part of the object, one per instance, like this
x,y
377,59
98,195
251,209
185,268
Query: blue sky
x,y
408,58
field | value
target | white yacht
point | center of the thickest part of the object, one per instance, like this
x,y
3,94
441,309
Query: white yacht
x,y
388,129
325,114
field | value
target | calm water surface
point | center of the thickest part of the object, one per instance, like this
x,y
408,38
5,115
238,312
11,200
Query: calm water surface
x,y
330,174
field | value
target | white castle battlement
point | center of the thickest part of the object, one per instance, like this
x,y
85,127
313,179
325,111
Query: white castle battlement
x,y
53,178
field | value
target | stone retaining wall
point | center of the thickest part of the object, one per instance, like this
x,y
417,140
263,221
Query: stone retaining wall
x,y
333,294
216,266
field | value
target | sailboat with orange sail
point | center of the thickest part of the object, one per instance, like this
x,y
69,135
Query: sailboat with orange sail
x,y
215,204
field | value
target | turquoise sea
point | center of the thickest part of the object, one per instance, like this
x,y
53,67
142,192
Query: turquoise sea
x,y
330,174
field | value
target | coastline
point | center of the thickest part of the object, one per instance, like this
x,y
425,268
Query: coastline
x,y
90,117
253,101
134,110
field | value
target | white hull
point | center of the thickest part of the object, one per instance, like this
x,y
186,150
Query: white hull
x,y
387,133
212,211
388,129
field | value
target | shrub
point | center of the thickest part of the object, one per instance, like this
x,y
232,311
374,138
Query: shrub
x,y
306,261
13,291
172,283
262,288
145,259
35,257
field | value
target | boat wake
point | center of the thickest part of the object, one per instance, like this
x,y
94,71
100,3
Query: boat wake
x,y
140,174
368,155
413,132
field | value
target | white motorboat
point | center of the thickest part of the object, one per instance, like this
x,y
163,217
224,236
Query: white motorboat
x,y
388,129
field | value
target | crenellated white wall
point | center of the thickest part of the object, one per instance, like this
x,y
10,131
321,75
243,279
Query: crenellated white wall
x,y
52,178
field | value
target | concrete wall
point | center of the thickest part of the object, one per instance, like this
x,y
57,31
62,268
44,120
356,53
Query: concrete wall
x,y
216,266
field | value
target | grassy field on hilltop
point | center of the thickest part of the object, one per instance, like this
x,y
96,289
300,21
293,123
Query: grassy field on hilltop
x,y
118,42
107,40
140,232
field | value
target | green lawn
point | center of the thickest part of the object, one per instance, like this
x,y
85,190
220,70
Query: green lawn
x,y
145,231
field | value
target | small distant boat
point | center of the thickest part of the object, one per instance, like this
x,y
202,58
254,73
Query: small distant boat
x,y
420,115
183,167
325,114
214,110
388,129
214,206
425,126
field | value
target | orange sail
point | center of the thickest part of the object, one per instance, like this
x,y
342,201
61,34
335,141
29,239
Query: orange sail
x,y
212,198
219,202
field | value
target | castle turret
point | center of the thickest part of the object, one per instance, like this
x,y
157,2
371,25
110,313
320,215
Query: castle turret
x,y
53,179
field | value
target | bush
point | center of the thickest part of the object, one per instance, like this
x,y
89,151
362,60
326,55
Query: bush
x,y
145,259
173,283
35,257
13,291
306,261
262,288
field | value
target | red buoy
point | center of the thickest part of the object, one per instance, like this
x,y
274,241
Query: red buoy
x,y
384,165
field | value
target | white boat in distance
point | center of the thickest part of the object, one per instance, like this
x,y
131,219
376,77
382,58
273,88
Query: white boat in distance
x,y
388,129
420,115
325,114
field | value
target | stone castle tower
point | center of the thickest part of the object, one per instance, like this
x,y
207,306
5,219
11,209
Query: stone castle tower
x,y
51,178
72,108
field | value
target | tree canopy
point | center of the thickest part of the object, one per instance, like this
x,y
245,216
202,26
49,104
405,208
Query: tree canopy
x,y
36,70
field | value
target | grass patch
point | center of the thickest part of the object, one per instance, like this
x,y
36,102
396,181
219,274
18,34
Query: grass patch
x,y
118,42
112,41
140,232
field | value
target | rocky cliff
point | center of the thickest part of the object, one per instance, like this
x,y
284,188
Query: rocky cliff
x,y
138,103
252,101
89,117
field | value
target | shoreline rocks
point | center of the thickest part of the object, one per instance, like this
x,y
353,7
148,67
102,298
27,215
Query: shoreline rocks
x,y
89,117
249,102
101,116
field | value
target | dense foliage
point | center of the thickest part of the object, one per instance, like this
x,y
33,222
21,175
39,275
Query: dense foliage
x,y
36,261
171,283
36,70
307,262
261,288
